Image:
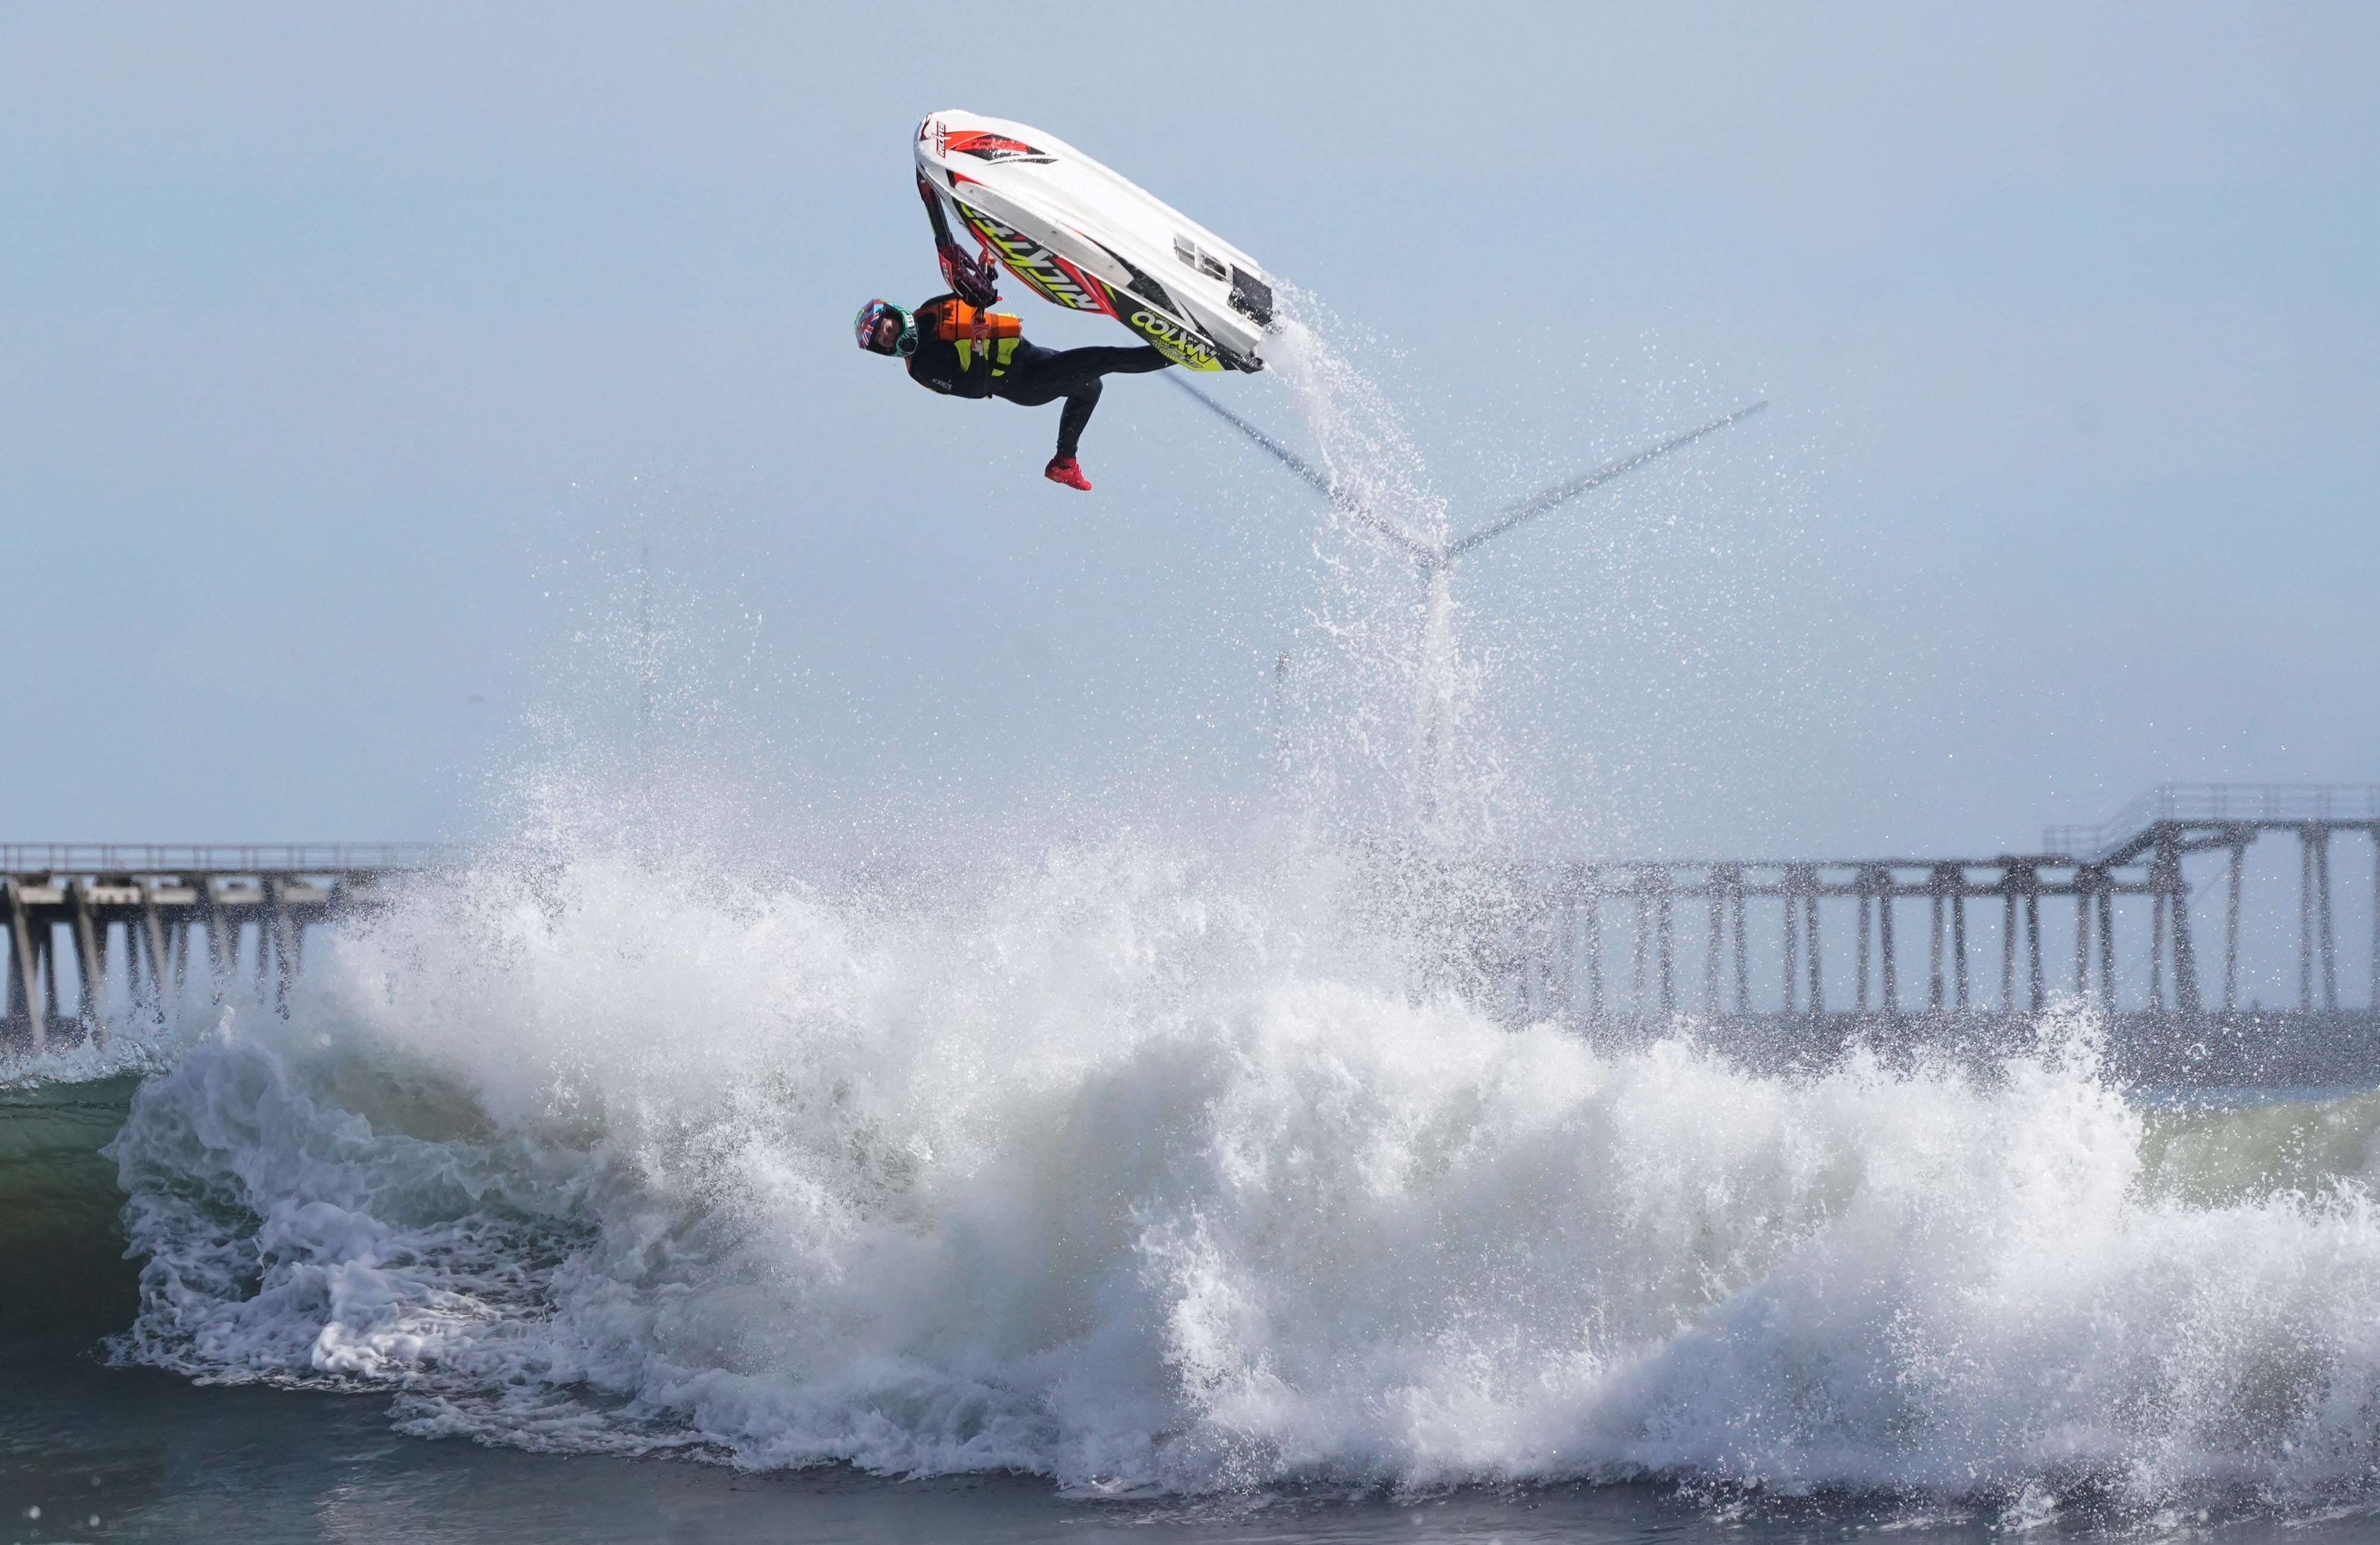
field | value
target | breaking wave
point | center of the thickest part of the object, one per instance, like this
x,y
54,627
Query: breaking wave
x,y
1139,1174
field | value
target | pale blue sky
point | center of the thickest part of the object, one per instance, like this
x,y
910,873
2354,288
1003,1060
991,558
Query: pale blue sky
x,y
346,355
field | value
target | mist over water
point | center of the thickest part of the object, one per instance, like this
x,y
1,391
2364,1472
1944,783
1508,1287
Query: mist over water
x,y
1195,1162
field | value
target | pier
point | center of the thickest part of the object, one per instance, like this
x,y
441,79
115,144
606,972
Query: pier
x,y
1828,948
2141,920
69,909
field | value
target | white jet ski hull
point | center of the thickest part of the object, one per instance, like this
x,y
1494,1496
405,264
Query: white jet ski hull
x,y
1081,237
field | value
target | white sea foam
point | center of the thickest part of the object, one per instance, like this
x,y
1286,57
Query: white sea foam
x,y
1135,1174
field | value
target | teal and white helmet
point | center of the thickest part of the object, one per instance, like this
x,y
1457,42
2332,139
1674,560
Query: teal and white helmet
x,y
863,328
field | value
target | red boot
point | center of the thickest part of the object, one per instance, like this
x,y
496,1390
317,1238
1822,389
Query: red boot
x,y
1061,470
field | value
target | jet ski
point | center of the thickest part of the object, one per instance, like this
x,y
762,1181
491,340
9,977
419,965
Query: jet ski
x,y
1082,236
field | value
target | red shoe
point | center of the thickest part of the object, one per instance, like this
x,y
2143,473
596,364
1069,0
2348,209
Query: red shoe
x,y
1061,470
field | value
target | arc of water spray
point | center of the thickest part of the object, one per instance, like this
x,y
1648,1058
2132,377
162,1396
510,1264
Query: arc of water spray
x,y
1435,560
1433,555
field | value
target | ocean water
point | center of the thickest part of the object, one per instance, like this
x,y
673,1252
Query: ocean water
x,y
623,1186
616,1205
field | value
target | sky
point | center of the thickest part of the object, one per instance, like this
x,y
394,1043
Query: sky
x,y
352,360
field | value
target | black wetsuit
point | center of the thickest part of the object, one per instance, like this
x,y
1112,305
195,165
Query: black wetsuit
x,y
1030,376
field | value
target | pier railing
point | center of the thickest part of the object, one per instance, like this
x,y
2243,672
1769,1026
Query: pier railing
x,y
169,858
2267,806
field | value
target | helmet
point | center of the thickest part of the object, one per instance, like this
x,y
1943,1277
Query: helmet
x,y
863,327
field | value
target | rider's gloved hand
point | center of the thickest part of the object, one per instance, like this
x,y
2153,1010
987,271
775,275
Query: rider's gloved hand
x,y
976,283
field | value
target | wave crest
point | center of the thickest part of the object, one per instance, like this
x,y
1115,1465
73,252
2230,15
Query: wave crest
x,y
1139,1174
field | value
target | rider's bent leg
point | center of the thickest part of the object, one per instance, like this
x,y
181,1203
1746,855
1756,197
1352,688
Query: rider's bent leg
x,y
1072,373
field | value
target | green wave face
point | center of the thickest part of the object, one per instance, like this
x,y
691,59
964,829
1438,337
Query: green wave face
x,y
64,1280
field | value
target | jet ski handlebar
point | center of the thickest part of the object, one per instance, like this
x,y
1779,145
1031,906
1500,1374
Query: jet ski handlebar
x,y
974,280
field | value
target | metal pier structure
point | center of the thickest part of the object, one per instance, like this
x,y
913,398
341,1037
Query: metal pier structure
x,y
169,903
1604,946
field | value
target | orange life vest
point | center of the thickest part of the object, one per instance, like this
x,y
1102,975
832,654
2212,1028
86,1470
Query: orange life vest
x,y
996,332
960,321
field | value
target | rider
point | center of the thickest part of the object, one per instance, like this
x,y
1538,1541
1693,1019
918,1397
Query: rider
x,y
955,345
